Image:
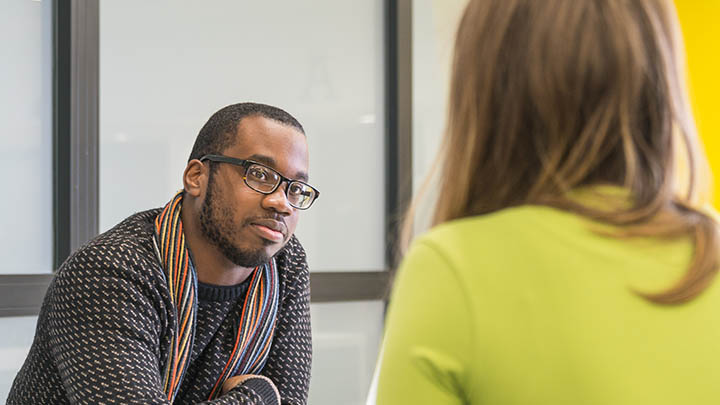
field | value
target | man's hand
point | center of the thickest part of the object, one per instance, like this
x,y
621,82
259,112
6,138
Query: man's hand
x,y
232,382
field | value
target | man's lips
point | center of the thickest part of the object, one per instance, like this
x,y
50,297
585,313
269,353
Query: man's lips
x,y
270,229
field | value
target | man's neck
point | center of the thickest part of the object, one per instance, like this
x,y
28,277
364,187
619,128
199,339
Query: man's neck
x,y
211,265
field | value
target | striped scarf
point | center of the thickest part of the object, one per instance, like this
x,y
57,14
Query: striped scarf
x,y
257,320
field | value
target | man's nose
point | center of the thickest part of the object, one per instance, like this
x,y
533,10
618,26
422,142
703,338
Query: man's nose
x,y
277,200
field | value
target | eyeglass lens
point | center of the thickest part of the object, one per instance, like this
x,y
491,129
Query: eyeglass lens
x,y
264,180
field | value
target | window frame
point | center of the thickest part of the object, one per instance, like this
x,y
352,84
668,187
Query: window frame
x,y
76,155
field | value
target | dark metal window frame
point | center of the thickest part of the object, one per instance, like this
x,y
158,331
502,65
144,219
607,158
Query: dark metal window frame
x,y
76,141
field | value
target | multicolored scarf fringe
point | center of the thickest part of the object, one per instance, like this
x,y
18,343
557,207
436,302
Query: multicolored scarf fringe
x,y
257,321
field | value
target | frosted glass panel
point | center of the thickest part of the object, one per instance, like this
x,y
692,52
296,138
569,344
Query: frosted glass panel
x,y
166,66
434,23
26,137
14,346
346,338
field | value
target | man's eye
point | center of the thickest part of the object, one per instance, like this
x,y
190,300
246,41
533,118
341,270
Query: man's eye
x,y
258,173
296,189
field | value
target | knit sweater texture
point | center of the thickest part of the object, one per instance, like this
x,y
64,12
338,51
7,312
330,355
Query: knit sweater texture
x,y
107,319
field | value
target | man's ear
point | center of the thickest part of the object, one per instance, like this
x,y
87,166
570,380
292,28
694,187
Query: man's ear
x,y
195,178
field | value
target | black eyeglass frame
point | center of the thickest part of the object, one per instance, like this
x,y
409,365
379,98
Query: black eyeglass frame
x,y
246,163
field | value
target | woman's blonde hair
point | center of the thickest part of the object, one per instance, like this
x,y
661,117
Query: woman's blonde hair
x,y
548,96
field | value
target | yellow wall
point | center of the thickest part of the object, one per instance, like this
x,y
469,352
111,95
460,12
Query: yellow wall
x,y
701,28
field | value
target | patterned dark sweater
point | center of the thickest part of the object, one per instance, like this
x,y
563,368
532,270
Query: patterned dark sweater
x,y
107,319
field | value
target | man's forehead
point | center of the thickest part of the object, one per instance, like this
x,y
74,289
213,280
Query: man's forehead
x,y
280,146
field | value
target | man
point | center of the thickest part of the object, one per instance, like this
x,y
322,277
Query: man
x,y
206,299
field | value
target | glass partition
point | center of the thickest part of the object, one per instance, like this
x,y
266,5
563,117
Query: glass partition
x,y
159,86
26,127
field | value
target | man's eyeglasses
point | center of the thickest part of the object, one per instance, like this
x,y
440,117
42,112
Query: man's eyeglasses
x,y
266,180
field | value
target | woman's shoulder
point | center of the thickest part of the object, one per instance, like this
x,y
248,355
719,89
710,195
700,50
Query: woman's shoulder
x,y
515,236
499,226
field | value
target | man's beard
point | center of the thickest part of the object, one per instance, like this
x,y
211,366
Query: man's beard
x,y
216,225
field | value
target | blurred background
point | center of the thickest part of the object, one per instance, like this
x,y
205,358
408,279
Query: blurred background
x,y
102,101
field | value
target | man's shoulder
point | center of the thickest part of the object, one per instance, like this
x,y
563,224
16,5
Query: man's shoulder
x,y
138,225
128,245
293,249
292,262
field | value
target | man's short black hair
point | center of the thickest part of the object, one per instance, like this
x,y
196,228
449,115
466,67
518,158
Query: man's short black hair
x,y
220,130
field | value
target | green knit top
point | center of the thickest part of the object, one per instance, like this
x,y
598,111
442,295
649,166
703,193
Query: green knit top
x,y
534,305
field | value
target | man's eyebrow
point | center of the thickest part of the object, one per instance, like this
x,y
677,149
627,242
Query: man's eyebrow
x,y
302,176
267,160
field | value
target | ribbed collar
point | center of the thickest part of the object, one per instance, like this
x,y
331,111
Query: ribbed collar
x,y
210,292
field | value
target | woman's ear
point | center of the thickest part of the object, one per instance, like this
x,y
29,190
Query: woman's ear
x,y
195,178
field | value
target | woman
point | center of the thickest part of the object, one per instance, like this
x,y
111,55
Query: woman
x,y
565,266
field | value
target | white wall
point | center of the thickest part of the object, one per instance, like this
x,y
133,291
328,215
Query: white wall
x,y
15,343
346,337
